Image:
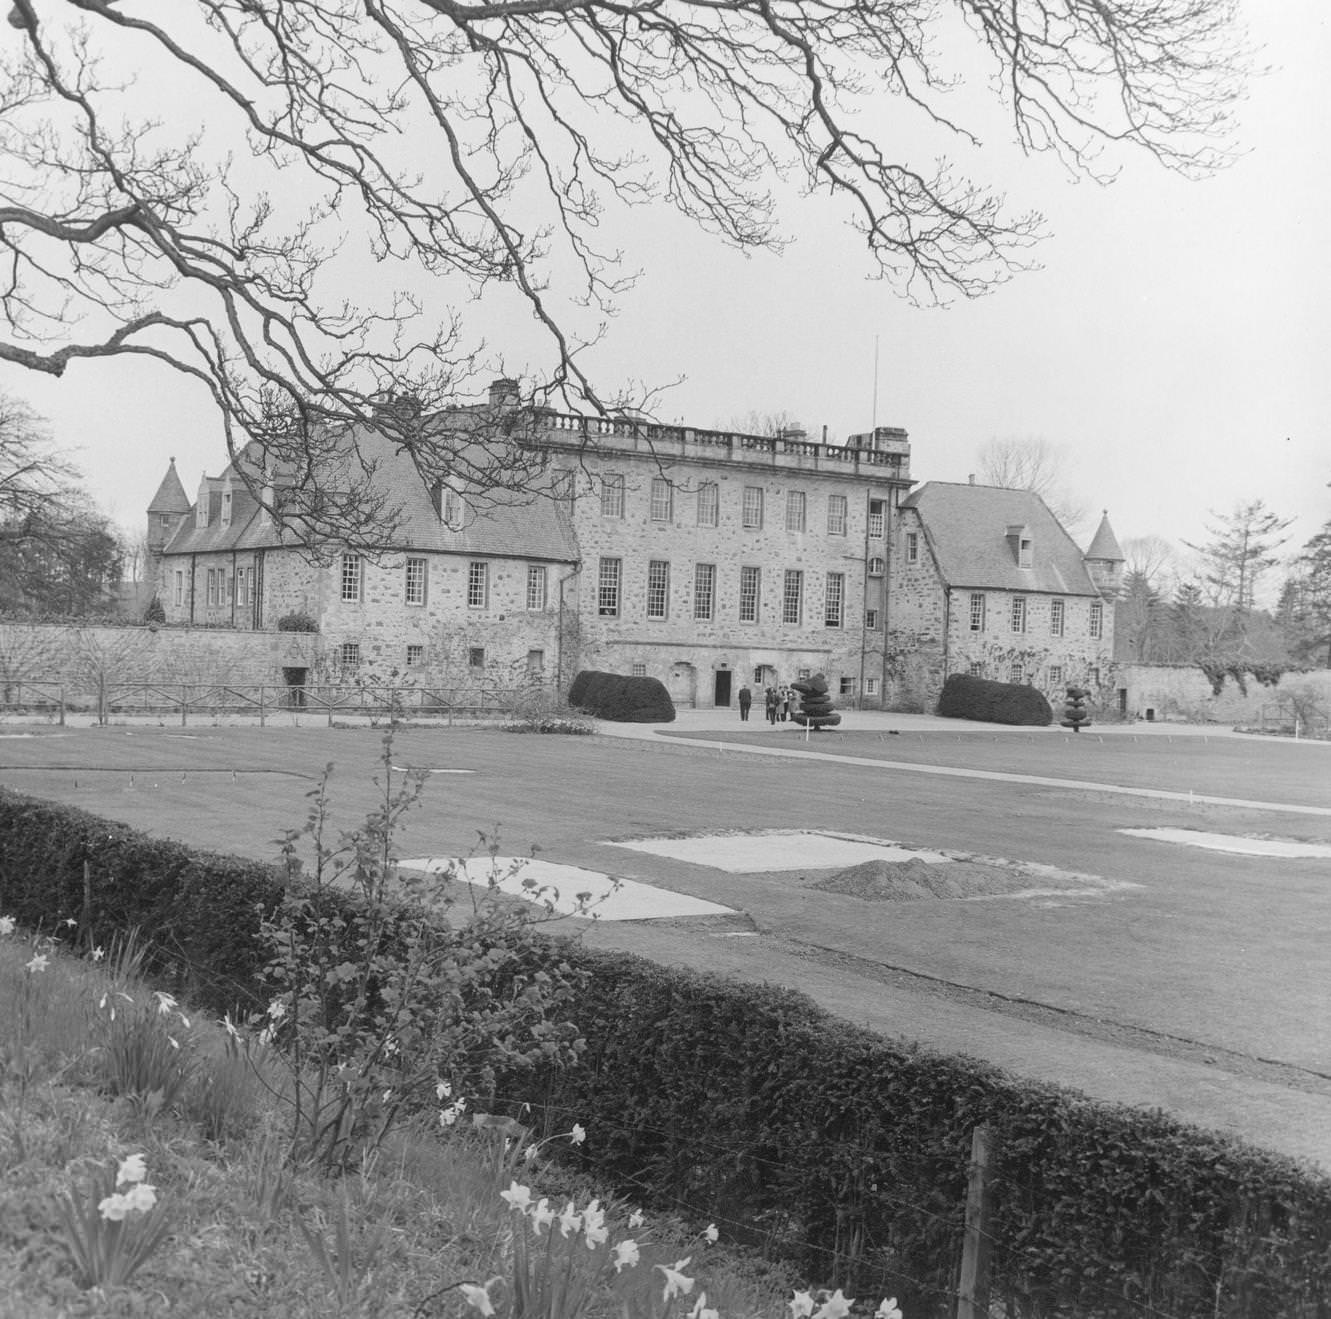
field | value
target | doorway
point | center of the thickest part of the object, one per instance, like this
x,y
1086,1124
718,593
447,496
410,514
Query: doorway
x,y
721,694
683,684
295,680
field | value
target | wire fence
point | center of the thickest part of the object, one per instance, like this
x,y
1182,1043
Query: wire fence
x,y
260,702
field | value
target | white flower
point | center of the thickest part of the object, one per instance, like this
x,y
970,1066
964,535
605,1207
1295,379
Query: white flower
x,y
443,1091
113,1208
541,1215
676,1284
70,921
449,1115
701,1310
141,1197
568,1220
711,1235
578,1134
593,1225
230,1027
835,1306
637,1218
165,1003
518,1197
39,963
390,1046
888,1310
7,925
626,1255
528,1153
801,1307
277,1009
477,1297
132,1169
98,953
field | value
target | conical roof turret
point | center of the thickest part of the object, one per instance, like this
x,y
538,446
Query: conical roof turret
x,y
170,496
1104,545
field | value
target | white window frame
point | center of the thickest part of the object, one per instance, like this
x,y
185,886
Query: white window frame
x,y
792,597
751,513
709,504
1019,613
871,620
834,600
348,655
1055,675
415,654
662,507
352,578
478,584
1097,620
1057,616
180,586
658,589
877,565
537,587
704,591
1017,673
978,610
837,514
416,575
612,495
797,509
912,547
750,594
609,582
877,519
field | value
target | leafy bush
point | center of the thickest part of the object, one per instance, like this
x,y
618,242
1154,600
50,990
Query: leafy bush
x,y
155,612
621,698
965,697
297,621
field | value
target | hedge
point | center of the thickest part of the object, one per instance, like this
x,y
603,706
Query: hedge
x,y
965,697
621,699
832,1147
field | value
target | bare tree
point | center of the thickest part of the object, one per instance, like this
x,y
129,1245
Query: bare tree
x,y
1029,462
1152,559
765,423
200,183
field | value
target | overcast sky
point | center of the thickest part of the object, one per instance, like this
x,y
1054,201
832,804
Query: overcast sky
x,y
1175,339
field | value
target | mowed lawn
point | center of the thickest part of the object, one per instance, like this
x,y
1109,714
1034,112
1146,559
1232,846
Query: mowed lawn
x,y
1211,948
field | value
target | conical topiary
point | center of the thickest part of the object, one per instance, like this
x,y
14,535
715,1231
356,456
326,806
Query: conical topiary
x,y
815,704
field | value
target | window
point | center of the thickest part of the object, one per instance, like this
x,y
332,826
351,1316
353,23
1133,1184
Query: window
x,y
451,511
709,504
795,509
1056,618
226,508
349,654
834,599
871,686
658,588
836,515
607,588
877,519
1095,677
478,585
1017,673
803,675
876,566
976,669
704,591
750,594
535,663
536,586
180,587
1024,552
759,676
244,585
1055,675
912,547
352,575
846,687
977,613
210,587
792,596
1019,613
662,500
1097,620
476,657
414,593
638,670
871,620
415,656
752,508
612,496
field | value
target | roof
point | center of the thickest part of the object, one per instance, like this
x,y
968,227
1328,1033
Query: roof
x,y
170,496
514,524
967,527
1105,543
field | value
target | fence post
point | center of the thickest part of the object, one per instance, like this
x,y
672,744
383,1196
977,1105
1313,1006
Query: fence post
x,y
183,715
973,1288
62,705
261,714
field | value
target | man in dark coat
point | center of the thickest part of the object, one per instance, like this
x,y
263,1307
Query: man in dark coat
x,y
745,700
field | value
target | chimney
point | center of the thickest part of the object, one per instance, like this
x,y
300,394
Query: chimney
x,y
971,478
504,393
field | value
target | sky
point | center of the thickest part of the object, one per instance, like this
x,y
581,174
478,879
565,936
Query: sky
x,y
1175,343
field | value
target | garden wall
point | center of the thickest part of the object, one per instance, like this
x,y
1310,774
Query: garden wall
x,y
827,1145
1183,692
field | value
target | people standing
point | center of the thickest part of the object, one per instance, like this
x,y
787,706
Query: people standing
x,y
771,705
745,700
784,699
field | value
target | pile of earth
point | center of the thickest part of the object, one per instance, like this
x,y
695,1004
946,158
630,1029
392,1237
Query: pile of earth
x,y
909,881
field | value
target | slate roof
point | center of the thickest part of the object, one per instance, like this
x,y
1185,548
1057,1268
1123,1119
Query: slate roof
x,y
1105,543
170,496
511,525
967,527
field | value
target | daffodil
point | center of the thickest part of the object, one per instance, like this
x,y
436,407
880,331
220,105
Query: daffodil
x,y
541,1215
888,1310
6,925
518,1197
132,1169
835,1306
801,1306
38,963
626,1255
569,1220
711,1235
578,1134
478,1297
676,1284
637,1218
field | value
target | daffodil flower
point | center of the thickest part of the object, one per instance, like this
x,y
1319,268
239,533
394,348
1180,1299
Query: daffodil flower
x,y
676,1284
801,1306
518,1197
478,1297
835,1306
578,1134
637,1218
541,1215
888,1310
569,1220
626,1255
38,963
132,1169
701,1310
6,925
711,1235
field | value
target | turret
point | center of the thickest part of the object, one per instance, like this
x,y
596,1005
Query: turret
x,y
1104,560
168,507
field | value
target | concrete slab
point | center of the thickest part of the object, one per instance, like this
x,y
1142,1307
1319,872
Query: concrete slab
x,y
746,853
561,888
1275,847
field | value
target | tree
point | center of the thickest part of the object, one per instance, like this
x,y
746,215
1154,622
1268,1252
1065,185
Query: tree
x,y
1138,616
268,198
1305,602
1028,462
1241,549
57,553
1152,558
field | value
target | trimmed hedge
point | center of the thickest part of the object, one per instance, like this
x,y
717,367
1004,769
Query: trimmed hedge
x,y
965,697
839,1150
621,698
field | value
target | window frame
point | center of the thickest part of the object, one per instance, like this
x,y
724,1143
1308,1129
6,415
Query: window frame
x,y
609,586
612,495
348,655
912,547
351,578
1096,621
838,515
419,578
1019,614
662,501
415,654
538,587
797,511
478,584
1057,618
792,597
751,508
709,504
877,565
978,611
750,576
834,600
658,590
877,519
704,592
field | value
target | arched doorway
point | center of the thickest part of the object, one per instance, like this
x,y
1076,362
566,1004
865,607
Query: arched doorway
x,y
683,684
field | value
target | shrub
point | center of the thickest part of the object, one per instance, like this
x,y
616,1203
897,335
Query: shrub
x,y
621,698
965,697
297,621
155,612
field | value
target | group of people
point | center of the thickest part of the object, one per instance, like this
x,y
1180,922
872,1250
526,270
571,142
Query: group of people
x,y
779,702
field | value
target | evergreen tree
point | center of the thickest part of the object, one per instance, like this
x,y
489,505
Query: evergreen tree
x,y
1242,547
1306,602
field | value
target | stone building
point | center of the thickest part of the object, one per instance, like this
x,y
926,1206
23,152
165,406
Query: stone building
x,y
706,559
986,581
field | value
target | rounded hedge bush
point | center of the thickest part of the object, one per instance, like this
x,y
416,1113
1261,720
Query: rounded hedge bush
x,y
621,699
965,697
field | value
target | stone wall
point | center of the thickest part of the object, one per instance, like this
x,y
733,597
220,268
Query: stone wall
x,y
1182,693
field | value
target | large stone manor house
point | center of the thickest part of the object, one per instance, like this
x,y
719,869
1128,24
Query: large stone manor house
x,y
706,559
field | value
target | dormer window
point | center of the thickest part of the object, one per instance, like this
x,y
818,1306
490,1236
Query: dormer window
x,y
201,508
226,508
1024,552
1019,538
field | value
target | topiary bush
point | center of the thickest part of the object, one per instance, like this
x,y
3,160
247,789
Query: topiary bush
x,y
297,621
965,697
622,699
815,704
